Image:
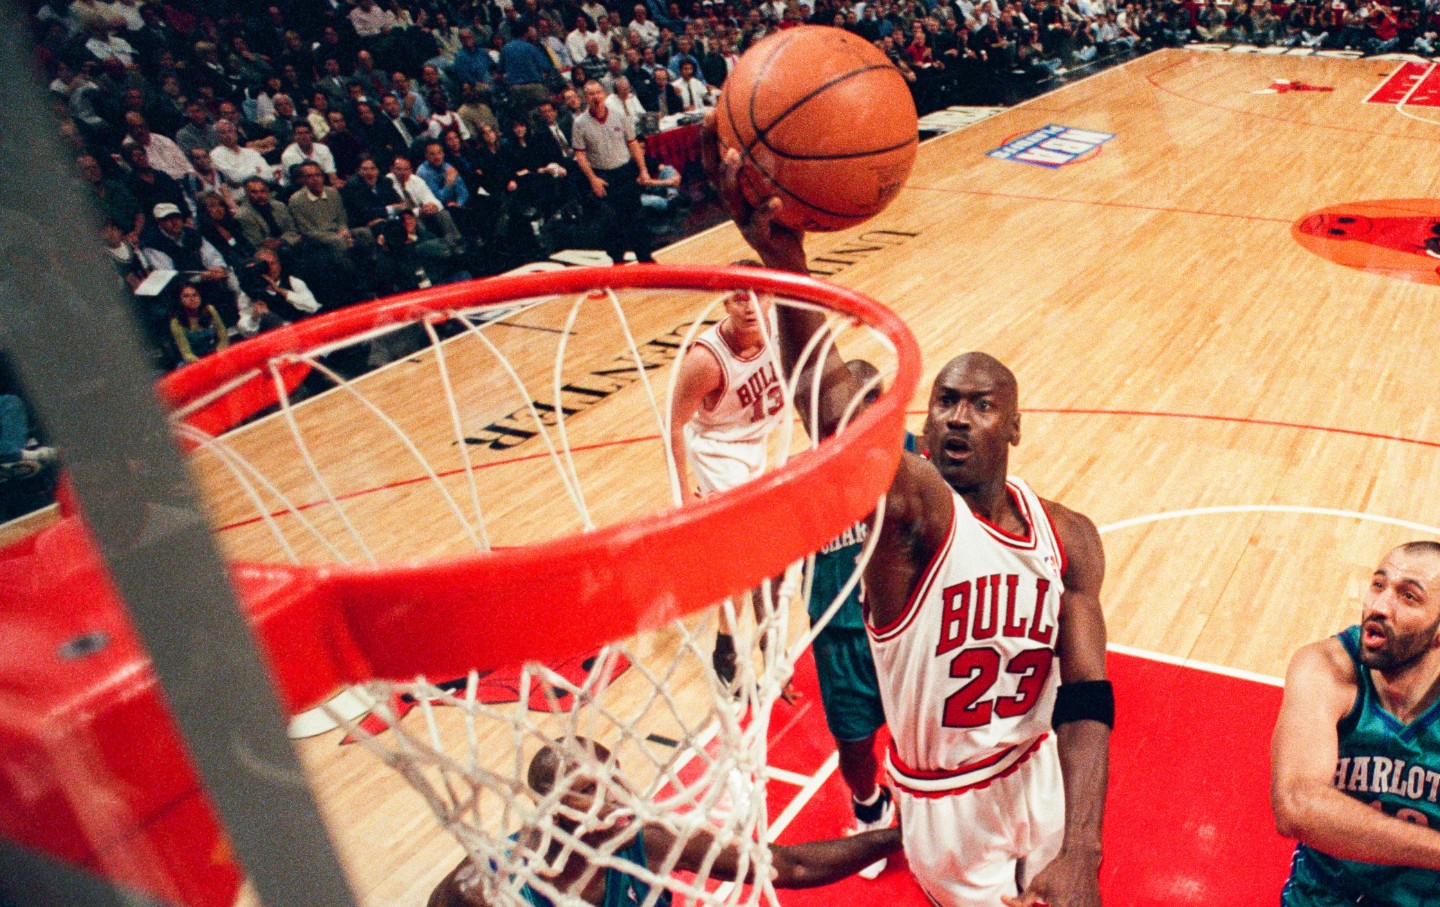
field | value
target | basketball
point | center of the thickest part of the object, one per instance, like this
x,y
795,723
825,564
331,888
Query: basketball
x,y
824,121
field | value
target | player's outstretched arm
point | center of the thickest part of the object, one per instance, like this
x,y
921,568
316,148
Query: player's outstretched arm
x,y
792,866
1084,714
782,248
1320,689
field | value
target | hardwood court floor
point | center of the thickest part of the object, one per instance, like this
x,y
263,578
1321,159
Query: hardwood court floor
x,y
1249,424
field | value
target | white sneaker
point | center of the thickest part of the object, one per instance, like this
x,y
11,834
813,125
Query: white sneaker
x,y
887,818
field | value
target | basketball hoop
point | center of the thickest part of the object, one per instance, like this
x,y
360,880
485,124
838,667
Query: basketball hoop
x,y
502,402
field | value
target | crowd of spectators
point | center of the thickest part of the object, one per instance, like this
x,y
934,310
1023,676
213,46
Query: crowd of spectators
x,y
292,157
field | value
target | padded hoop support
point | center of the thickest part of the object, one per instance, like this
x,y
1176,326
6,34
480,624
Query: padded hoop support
x,y
334,625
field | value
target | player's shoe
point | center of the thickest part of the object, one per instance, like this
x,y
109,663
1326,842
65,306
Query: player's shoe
x,y
884,818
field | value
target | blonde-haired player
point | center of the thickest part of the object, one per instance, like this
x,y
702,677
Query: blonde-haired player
x,y
728,398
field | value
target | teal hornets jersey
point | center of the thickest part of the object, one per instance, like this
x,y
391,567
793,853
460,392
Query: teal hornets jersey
x,y
833,566
1382,762
621,888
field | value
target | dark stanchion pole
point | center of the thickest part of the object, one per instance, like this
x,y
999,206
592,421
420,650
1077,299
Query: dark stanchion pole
x,y
66,323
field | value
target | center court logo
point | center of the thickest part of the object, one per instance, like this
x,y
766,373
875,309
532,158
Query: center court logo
x,y
1052,146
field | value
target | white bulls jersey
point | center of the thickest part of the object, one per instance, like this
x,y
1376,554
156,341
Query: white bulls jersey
x,y
967,672
751,399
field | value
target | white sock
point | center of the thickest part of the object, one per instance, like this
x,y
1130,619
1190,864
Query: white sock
x,y
874,798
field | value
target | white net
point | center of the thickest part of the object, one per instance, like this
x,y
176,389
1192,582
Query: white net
x,y
477,429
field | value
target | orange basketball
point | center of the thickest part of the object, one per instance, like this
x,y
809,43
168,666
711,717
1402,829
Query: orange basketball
x,y
824,121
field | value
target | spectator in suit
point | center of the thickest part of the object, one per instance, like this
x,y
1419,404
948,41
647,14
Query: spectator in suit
x,y
550,136
401,134
375,80
117,202
694,94
571,106
432,79
332,83
417,196
267,224
221,230
714,66
666,100
282,124
149,186
625,101
345,146
370,200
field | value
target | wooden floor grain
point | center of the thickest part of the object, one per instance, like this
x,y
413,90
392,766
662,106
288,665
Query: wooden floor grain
x,y
1250,425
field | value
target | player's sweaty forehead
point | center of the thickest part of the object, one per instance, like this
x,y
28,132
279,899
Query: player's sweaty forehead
x,y
1415,563
977,374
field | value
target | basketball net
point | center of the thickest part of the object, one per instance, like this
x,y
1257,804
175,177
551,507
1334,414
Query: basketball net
x,y
681,750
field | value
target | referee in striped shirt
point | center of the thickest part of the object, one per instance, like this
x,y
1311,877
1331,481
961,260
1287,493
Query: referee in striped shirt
x,y
613,163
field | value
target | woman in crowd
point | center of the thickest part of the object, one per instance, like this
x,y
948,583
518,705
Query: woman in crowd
x,y
218,225
195,327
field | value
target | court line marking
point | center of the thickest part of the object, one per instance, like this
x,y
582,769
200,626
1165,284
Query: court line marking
x,y
1265,116
1063,411
1266,508
1206,666
1232,509
1400,104
1102,204
789,777
1208,417
806,794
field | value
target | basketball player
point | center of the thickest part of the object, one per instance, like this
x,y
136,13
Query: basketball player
x,y
976,588
849,690
796,866
727,399
1355,760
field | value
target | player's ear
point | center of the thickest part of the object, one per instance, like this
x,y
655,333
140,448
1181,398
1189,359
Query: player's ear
x,y
1015,431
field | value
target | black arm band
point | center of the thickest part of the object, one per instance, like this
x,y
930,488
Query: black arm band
x,y
1086,700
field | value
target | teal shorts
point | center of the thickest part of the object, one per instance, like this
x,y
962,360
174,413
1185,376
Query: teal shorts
x,y
849,692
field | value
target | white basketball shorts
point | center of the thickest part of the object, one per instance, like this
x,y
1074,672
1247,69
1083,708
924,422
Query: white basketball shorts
x,y
720,465
969,846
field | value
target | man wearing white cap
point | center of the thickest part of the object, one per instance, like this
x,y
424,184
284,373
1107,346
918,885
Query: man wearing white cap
x,y
169,245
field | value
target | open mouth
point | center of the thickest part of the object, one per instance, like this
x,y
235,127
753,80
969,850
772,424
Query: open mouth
x,y
955,448
1373,634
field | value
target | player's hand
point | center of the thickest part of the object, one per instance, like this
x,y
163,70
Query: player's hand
x,y
779,246
597,185
1071,880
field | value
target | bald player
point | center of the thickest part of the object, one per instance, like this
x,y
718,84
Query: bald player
x,y
1355,761
982,601
795,866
